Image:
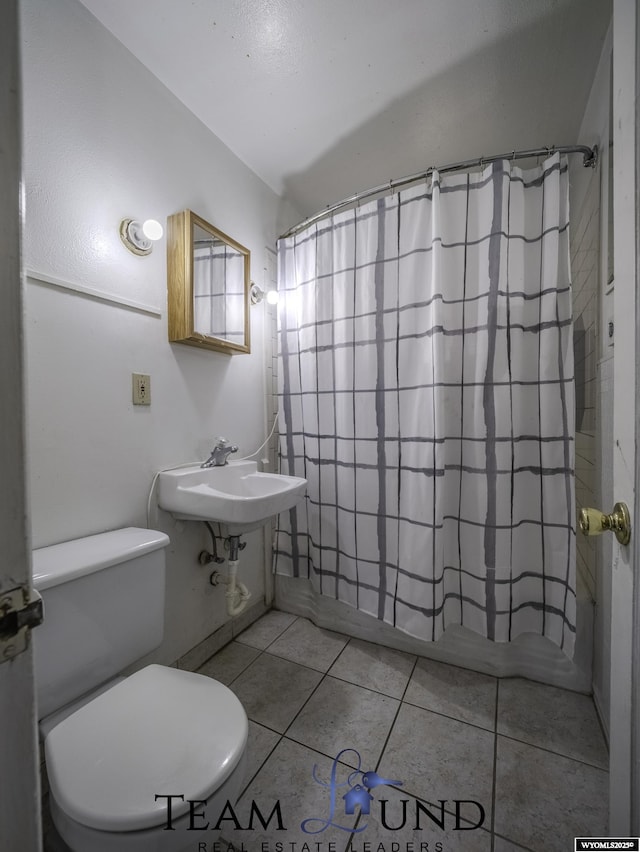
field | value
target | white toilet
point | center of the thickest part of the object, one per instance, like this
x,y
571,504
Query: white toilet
x,y
112,746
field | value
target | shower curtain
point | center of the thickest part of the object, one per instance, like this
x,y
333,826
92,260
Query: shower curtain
x,y
426,393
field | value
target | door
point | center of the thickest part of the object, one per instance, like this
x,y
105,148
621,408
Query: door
x,y
624,725
19,784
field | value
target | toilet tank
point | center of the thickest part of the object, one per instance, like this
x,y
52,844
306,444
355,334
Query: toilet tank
x,y
103,610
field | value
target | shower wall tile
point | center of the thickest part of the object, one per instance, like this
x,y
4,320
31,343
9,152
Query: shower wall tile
x,y
271,355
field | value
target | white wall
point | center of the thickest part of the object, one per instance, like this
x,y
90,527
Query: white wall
x,y
19,802
589,235
104,140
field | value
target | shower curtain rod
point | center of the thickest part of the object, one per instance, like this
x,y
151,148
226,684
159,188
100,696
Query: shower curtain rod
x,y
590,158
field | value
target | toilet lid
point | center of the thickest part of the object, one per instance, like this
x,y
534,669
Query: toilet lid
x,y
162,732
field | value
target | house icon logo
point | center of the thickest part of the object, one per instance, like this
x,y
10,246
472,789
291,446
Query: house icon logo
x,y
358,795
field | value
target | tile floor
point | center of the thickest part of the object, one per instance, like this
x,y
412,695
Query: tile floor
x,y
532,756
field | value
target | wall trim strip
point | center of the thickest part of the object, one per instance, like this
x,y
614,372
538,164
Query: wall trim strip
x,y
92,292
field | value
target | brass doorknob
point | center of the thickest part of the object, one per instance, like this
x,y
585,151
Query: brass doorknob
x,y
594,522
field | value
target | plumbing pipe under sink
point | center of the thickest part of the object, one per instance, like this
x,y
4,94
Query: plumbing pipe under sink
x,y
237,593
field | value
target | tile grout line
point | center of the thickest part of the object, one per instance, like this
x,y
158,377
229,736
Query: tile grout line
x,y
297,662
275,639
236,639
395,718
253,777
378,691
495,731
283,735
552,751
261,651
401,701
315,689
417,796
280,735
515,843
325,674
265,650
447,716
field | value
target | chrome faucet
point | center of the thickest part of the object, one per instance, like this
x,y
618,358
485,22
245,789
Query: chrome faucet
x,y
219,454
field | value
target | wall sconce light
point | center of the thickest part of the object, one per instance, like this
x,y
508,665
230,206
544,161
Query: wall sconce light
x,y
139,237
258,294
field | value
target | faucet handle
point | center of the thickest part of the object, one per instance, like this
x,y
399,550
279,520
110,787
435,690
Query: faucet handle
x,y
224,444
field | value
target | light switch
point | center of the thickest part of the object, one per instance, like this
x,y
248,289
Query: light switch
x,y
141,389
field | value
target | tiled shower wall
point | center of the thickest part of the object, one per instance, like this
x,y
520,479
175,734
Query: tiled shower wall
x,y
585,268
269,455
271,356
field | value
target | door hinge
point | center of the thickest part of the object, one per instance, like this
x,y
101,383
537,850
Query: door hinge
x,y
19,613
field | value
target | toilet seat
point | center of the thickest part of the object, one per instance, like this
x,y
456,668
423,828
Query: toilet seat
x,y
162,732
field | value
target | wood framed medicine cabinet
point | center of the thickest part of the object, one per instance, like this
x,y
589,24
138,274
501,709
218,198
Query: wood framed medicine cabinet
x,y
208,280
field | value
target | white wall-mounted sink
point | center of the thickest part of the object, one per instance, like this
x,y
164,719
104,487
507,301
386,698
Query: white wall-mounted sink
x,y
234,494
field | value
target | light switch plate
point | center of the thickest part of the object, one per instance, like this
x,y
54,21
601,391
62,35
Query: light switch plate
x,y
141,385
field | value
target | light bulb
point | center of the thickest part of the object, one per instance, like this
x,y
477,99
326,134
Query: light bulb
x,y
152,230
272,297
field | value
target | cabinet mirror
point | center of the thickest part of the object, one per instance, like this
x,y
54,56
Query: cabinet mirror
x,y
208,276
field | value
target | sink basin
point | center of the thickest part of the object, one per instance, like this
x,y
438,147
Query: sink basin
x,y
234,494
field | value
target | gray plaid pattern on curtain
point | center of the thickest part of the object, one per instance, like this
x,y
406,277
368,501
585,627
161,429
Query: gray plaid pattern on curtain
x,y
426,393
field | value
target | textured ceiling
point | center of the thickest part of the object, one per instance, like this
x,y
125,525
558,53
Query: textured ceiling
x,y
323,98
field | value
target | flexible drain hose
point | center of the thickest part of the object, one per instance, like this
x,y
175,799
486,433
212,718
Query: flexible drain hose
x,y
237,593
